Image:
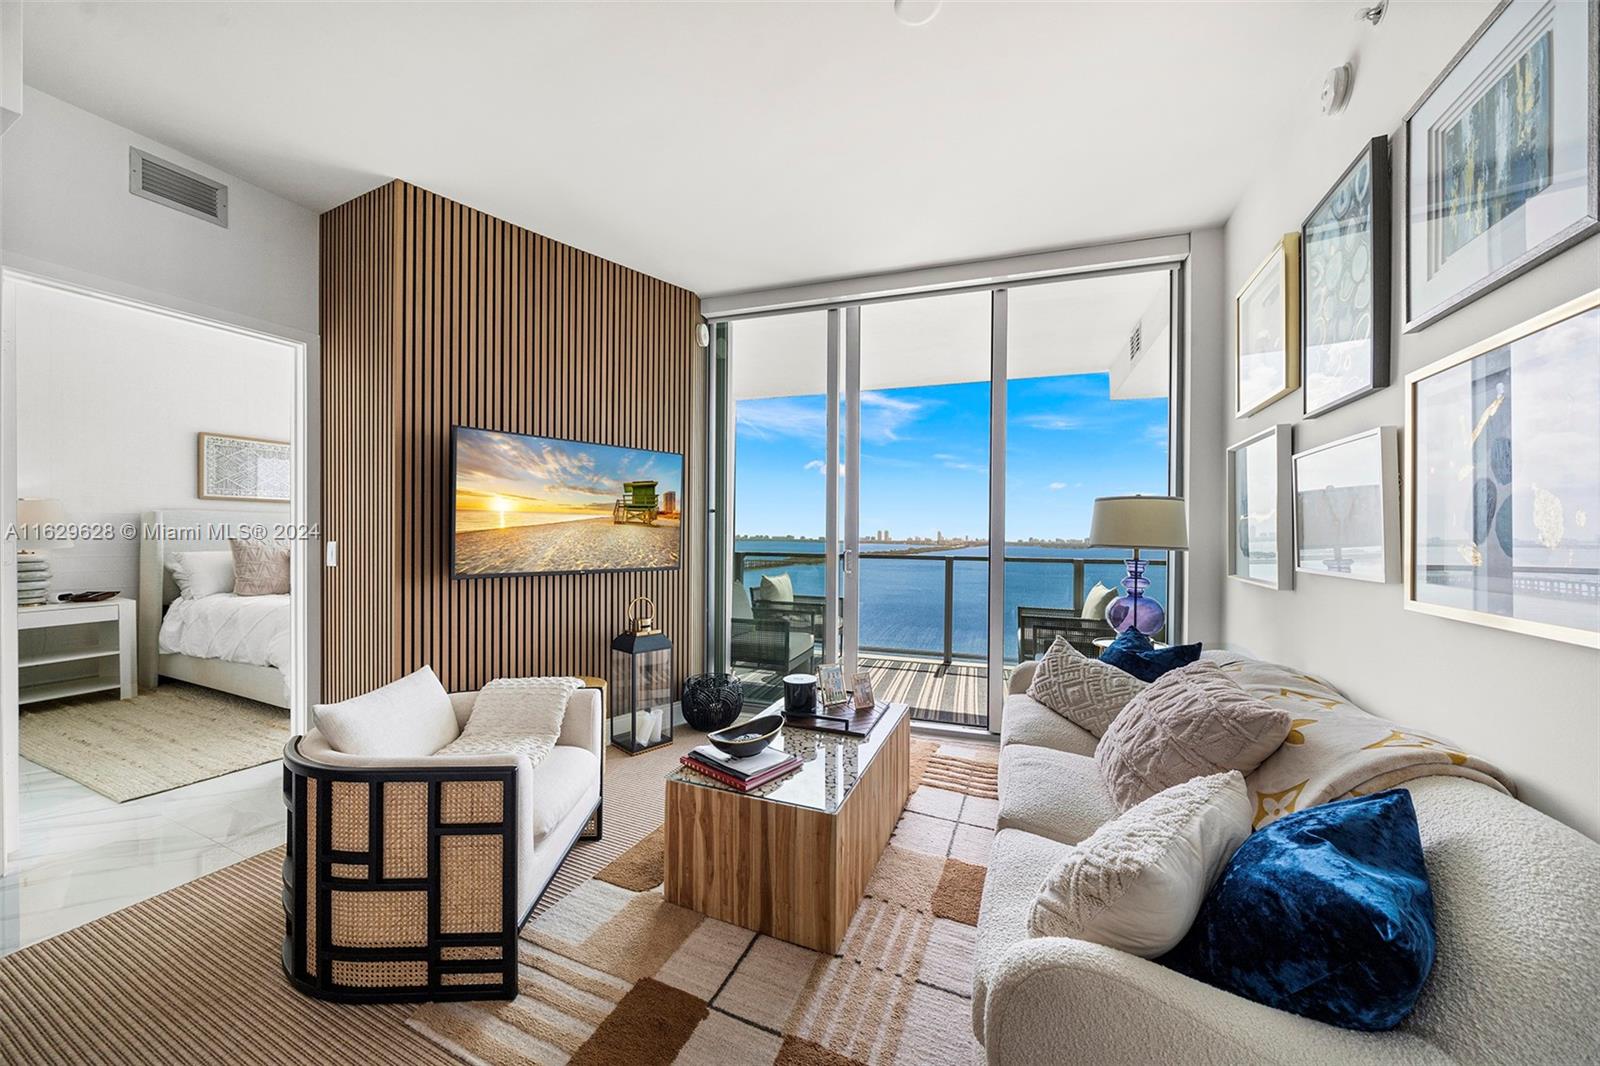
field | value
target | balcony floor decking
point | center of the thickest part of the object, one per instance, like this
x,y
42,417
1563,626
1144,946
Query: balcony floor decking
x,y
957,694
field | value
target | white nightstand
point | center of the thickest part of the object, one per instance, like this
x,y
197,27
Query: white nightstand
x,y
69,649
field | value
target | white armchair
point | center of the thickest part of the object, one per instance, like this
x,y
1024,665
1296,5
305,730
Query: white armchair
x,y
407,879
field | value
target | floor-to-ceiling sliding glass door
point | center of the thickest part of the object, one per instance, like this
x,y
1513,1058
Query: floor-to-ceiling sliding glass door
x,y
872,456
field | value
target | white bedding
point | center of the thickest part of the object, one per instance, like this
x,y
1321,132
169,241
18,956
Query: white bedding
x,y
239,629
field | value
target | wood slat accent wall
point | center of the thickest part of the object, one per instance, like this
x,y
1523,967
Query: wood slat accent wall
x,y
485,324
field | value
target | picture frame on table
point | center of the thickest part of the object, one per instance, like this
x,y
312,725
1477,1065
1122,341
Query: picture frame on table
x,y
1346,286
1261,519
1347,507
1266,330
830,685
1502,156
861,694
1502,501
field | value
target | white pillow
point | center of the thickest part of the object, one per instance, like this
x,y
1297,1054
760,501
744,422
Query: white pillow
x,y
405,719
1137,883
1095,602
742,611
1086,692
202,573
779,589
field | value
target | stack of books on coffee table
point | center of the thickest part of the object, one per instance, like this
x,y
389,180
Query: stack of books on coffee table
x,y
742,774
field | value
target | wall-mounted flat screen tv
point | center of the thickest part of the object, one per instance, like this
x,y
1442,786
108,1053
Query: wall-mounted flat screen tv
x,y
539,505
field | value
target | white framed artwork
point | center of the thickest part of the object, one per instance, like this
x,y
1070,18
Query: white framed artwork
x,y
1260,528
242,468
1347,507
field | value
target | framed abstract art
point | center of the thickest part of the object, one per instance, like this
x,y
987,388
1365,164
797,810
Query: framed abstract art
x,y
1347,507
1344,270
1501,166
1260,532
1266,333
1503,479
242,468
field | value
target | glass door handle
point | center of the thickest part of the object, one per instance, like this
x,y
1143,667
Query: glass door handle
x,y
849,561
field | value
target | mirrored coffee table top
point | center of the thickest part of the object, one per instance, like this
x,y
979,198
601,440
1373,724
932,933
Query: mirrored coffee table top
x,y
831,764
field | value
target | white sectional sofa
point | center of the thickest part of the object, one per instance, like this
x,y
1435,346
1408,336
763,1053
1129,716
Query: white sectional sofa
x,y
1517,900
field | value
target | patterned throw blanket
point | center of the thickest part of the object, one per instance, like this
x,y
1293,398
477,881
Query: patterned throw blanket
x,y
1335,749
516,716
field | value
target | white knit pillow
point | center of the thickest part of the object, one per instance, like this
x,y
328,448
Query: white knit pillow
x,y
408,718
1084,691
1137,883
516,716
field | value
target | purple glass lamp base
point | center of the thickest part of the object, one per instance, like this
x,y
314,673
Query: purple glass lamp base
x,y
1134,610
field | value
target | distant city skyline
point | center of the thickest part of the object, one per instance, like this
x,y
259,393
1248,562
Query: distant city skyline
x,y
925,459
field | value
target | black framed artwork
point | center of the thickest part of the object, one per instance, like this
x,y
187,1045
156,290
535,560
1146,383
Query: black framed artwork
x,y
1502,155
1346,286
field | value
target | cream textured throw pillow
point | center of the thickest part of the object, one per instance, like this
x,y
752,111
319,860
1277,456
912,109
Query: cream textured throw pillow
x,y
406,719
1137,883
260,568
201,574
1084,691
1190,722
516,716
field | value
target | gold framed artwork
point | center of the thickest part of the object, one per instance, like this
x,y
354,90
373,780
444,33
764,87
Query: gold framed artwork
x,y
1266,330
1502,497
242,468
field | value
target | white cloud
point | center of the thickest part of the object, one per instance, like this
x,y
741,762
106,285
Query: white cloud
x,y
883,417
781,417
1056,422
1057,486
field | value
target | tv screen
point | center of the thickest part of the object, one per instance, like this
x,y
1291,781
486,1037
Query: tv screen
x,y
539,505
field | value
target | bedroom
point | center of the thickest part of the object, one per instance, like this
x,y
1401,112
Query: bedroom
x,y
153,455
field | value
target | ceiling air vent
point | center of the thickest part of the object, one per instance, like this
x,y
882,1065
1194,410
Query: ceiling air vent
x,y
1135,341
178,188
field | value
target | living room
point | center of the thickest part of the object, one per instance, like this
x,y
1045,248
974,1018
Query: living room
x,y
877,532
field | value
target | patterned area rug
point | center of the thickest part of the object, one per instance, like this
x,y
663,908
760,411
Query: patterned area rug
x,y
612,973
163,738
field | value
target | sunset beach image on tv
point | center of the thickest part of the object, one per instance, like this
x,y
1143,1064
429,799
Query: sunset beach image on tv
x,y
538,505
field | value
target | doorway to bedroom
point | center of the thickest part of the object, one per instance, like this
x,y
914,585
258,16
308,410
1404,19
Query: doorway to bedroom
x,y
155,624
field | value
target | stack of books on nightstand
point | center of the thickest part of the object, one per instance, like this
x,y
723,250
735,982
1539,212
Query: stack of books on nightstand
x,y
742,774
33,578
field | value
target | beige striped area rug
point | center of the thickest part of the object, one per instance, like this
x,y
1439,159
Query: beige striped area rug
x,y
161,739
613,974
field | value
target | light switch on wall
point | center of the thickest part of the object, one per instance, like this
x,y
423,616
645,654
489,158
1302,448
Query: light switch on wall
x,y
330,553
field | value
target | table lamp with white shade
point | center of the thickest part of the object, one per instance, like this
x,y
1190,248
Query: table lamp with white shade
x,y
1136,522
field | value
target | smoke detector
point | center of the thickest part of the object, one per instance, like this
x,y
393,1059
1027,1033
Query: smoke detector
x,y
916,12
1336,90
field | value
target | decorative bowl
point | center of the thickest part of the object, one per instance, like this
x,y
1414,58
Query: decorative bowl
x,y
747,738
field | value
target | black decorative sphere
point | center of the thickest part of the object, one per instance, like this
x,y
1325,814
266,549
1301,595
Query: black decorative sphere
x,y
712,701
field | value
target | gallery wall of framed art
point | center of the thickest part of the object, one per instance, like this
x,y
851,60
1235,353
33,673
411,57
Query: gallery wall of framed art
x,y
1481,612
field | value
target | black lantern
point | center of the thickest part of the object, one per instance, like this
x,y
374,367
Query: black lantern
x,y
641,683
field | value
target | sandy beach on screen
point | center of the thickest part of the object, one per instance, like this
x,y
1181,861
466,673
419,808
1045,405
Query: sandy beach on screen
x,y
584,544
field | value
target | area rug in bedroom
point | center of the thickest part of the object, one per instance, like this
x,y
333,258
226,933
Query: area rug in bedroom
x,y
612,973
163,738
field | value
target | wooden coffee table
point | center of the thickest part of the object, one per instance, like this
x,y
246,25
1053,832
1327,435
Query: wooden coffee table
x,y
792,858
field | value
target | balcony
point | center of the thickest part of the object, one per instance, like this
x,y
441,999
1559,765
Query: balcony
x,y
924,627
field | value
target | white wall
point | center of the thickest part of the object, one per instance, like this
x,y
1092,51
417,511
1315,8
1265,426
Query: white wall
x,y
109,401
1526,704
69,215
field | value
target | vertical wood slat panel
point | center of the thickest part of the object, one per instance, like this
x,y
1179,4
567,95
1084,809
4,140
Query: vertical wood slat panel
x,y
433,315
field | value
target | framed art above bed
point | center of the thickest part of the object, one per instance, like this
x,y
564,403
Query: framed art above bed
x,y
242,468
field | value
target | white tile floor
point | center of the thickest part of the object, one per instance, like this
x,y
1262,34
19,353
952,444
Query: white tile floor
x,y
84,856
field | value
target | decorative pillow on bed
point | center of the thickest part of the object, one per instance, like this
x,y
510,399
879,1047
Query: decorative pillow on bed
x,y
201,574
407,719
1084,691
260,568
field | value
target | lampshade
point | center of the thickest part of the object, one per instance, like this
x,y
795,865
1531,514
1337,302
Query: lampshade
x,y
1139,522
39,511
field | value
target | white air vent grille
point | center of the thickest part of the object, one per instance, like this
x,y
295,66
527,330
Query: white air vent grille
x,y
178,188
1135,341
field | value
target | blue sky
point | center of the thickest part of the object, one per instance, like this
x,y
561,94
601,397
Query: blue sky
x,y
925,455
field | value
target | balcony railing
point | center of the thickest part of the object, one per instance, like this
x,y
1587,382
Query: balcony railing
x,y
748,561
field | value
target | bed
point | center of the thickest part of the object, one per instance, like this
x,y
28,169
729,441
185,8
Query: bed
x,y
237,644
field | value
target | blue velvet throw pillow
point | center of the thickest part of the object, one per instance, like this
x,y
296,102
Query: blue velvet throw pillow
x,y
1133,653
1325,913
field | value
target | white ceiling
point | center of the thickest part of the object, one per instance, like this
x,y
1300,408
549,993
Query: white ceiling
x,y
730,146
1078,326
